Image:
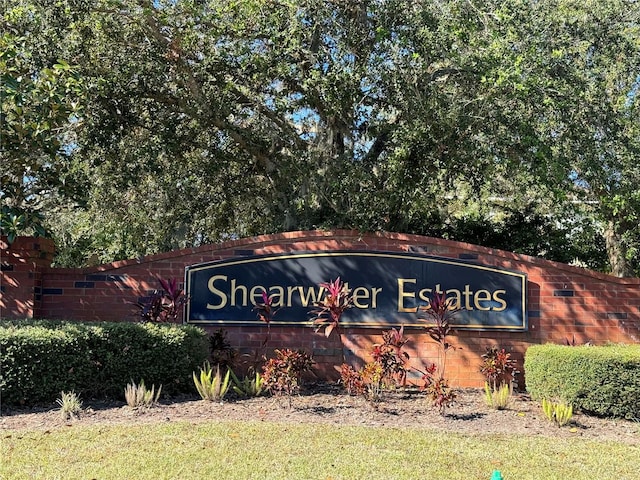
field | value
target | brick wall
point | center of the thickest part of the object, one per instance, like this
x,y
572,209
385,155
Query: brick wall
x,y
21,267
564,302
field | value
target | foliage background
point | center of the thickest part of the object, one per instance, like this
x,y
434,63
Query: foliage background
x,y
170,124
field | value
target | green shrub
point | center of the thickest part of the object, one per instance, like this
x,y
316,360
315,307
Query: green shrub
x,y
604,381
39,359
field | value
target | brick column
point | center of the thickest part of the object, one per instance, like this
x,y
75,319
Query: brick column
x,y
21,265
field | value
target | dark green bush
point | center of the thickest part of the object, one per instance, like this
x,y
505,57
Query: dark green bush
x,y
39,359
603,381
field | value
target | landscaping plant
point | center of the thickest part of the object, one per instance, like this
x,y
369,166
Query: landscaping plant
x,y
221,352
352,380
211,387
498,369
392,358
498,398
559,413
70,405
387,370
600,380
368,381
437,388
439,313
266,310
139,396
251,385
372,377
163,305
95,359
329,309
282,375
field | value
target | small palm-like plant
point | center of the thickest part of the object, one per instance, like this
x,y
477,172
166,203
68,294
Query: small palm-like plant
x,y
559,413
211,387
266,309
352,380
498,368
140,396
249,386
392,358
497,398
70,405
266,312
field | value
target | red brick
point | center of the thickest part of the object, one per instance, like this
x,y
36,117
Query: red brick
x,y
583,316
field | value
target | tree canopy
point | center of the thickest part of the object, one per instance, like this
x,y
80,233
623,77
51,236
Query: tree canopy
x,y
511,124
40,104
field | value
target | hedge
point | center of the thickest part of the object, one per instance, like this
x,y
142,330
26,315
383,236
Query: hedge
x,y
603,381
39,359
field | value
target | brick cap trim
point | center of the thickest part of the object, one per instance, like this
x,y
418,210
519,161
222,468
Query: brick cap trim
x,y
355,237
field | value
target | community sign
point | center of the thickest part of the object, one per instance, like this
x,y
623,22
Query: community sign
x,y
388,289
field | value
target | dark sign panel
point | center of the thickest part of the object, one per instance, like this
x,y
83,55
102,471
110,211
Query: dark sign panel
x,y
387,289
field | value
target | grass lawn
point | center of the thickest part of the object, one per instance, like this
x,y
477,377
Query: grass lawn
x,y
263,450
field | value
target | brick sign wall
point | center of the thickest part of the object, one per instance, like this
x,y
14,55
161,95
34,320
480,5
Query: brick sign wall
x,y
562,302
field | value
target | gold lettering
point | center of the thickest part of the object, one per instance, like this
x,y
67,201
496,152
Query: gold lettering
x,y
467,297
482,296
311,295
374,295
402,295
219,293
409,297
235,289
359,294
425,296
277,296
456,302
290,291
256,292
501,301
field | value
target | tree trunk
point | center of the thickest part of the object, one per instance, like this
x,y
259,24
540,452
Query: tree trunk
x,y
616,251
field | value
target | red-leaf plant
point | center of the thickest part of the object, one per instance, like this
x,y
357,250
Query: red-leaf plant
x,y
388,369
163,305
439,313
283,373
438,389
497,366
328,311
391,357
266,312
352,380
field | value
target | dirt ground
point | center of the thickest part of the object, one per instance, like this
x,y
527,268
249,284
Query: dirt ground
x,y
324,403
